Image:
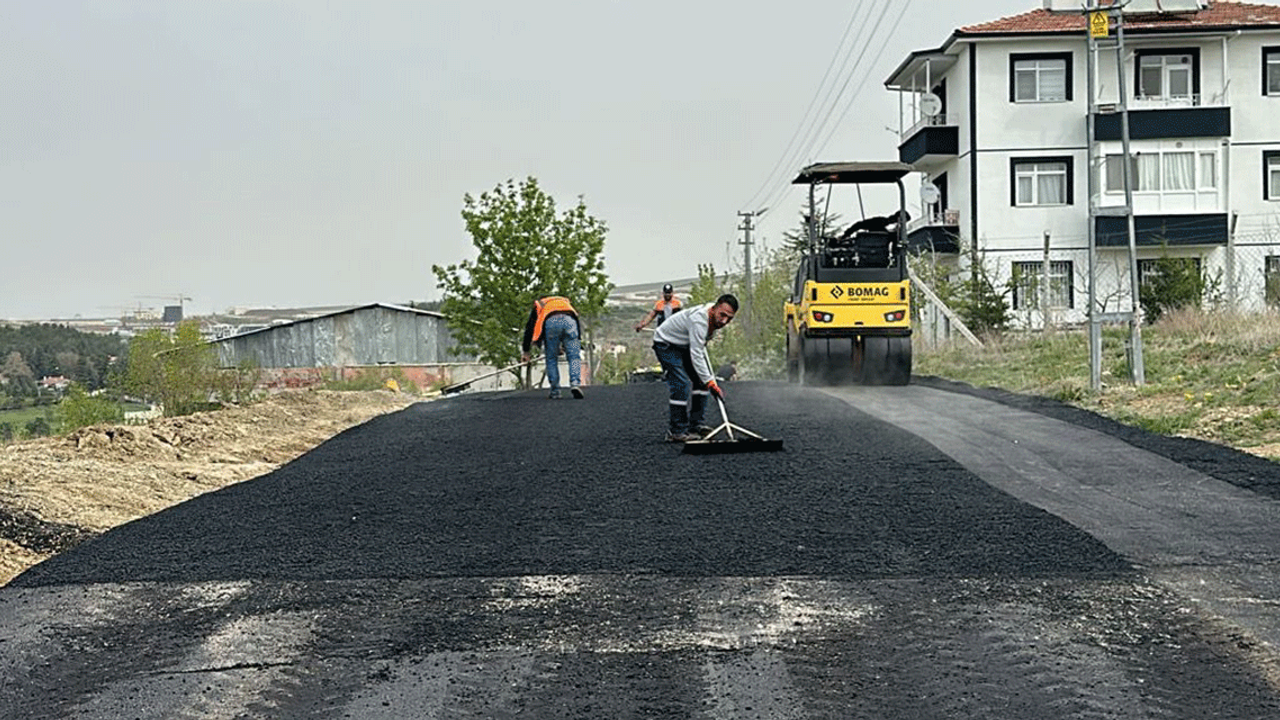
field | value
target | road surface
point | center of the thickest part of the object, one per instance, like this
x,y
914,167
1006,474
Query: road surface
x,y
912,553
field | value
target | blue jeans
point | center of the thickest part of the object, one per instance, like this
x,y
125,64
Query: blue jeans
x,y
687,393
560,330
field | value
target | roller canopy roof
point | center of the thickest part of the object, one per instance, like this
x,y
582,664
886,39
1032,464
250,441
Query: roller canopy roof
x,y
853,172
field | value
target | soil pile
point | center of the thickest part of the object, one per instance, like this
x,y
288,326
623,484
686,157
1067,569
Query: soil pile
x,y
56,492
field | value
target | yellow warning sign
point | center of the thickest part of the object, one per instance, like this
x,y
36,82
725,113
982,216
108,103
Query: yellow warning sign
x,y
1099,24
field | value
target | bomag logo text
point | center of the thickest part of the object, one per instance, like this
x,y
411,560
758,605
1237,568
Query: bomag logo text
x,y
867,292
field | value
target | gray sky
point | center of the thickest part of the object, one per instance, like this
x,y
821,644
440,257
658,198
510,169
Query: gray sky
x,y
299,152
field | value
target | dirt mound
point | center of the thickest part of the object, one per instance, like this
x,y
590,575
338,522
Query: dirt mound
x,y
55,492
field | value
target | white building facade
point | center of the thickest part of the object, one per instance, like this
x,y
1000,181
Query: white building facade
x,y
1008,144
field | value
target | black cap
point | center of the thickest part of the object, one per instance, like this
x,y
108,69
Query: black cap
x,y
666,288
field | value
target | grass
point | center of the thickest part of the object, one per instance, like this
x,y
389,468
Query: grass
x,y
1213,376
18,419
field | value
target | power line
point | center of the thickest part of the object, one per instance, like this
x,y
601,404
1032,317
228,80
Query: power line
x,y
786,159
780,189
902,11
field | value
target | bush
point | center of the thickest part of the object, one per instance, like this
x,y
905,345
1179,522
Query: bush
x,y
1172,283
79,409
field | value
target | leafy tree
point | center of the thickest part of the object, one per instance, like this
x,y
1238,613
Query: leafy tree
x,y
525,250
6,432
79,409
756,339
49,349
22,380
177,370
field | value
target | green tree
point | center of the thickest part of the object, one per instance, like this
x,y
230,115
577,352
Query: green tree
x,y
177,370
79,409
756,339
1171,283
22,381
525,250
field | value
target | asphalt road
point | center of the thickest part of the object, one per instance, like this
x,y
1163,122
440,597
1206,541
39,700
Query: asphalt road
x,y
912,553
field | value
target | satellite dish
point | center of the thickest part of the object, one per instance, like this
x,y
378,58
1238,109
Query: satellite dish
x,y
929,193
930,104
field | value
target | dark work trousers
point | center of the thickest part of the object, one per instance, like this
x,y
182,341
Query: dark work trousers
x,y
688,394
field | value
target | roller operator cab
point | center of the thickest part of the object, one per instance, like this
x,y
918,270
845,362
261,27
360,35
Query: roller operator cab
x,y
849,314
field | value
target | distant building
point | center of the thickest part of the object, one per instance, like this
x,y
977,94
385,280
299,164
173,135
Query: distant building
x,y
344,344
1020,166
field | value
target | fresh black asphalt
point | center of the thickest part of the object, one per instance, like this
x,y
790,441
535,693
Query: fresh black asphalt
x,y
505,555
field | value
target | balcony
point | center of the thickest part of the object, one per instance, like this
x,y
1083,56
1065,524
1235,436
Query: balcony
x,y
930,141
1152,118
1165,230
937,231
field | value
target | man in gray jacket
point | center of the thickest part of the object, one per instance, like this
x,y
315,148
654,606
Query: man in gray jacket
x,y
681,346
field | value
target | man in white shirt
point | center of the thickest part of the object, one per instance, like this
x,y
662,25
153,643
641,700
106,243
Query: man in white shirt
x,y
681,346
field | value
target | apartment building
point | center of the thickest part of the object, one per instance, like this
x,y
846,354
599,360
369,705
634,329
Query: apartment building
x,y
1015,127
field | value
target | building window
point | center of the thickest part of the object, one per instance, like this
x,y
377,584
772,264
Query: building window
x,y
1271,275
1040,77
1168,75
1163,172
1027,287
1041,181
1271,71
1207,177
1271,175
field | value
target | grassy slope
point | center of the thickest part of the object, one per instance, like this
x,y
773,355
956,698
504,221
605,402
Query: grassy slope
x,y
1212,377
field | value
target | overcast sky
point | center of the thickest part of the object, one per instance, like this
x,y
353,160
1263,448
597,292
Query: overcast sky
x,y
300,152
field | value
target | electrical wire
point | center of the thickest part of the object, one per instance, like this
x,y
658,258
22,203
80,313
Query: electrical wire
x,y
809,122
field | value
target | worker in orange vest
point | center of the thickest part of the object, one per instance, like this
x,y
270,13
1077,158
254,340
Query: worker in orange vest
x,y
663,309
554,323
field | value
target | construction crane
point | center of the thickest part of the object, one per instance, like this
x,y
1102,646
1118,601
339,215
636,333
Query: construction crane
x,y
175,301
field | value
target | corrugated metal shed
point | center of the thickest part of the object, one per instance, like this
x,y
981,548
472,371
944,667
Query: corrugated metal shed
x,y
374,334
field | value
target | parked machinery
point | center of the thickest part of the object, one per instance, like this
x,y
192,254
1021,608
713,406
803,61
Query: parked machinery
x,y
849,315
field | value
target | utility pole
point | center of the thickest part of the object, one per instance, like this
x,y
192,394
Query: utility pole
x,y
746,227
1137,371
1100,18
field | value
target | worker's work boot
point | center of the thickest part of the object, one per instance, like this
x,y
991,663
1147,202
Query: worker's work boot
x,y
576,392
681,437
554,395
702,430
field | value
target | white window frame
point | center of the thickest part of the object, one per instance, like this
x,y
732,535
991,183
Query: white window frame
x,y
1026,295
1184,63
1273,177
1210,170
1038,68
1271,72
1033,171
1199,182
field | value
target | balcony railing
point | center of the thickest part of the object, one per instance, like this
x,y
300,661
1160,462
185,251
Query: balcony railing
x,y
939,120
934,218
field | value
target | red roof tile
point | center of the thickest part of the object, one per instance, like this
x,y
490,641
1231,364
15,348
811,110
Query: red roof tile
x,y
1217,15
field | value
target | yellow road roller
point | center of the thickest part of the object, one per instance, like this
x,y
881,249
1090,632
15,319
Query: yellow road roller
x,y
848,316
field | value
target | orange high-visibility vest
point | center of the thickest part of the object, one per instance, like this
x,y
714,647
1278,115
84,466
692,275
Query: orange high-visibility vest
x,y
546,306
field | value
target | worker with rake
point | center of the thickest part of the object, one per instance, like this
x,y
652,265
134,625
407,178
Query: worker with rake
x,y
681,346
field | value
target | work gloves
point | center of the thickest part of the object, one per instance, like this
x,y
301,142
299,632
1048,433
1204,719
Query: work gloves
x,y
714,389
